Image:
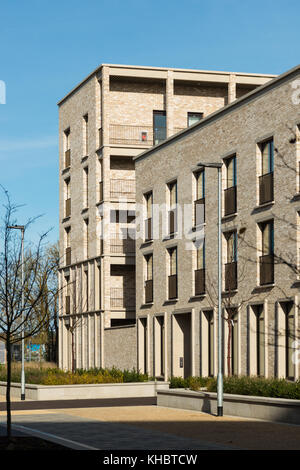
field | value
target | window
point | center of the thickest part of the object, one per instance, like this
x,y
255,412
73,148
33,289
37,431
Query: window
x,y
149,278
86,238
200,270
289,339
231,263
172,279
267,249
210,342
85,135
67,148
148,221
67,198
199,203
68,245
143,345
266,183
67,297
172,215
159,127
86,276
260,339
159,346
85,187
234,341
230,190
192,118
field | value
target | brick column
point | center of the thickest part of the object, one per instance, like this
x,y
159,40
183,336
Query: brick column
x,y
231,88
170,103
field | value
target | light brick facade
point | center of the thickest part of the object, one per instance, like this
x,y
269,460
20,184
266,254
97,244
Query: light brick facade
x,y
103,123
267,314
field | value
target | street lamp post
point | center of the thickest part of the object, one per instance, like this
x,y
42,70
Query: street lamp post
x,y
220,359
22,228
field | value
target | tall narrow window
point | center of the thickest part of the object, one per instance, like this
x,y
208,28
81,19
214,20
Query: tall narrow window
x,y
67,198
86,187
159,346
289,339
200,270
192,118
260,339
159,126
266,180
148,220
67,148
68,245
86,275
231,264
86,238
85,135
149,278
210,338
230,190
199,203
172,216
172,273
267,257
234,342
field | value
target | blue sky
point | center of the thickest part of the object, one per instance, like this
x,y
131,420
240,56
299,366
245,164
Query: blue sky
x,y
47,47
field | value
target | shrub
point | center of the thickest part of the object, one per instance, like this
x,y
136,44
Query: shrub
x,y
258,386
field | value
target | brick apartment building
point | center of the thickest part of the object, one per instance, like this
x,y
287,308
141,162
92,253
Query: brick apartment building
x,y
257,140
112,116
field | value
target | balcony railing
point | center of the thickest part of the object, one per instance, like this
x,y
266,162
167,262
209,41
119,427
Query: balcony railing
x,y
149,291
122,245
172,286
148,229
172,219
68,207
199,207
266,269
199,281
122,298
266,188
122,188
231,276
68,256
67,158
131,135
67,305
230,200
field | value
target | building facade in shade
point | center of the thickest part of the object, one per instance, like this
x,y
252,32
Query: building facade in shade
x,y
257,140
108,119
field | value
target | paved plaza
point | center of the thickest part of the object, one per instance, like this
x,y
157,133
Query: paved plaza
x,y
151,427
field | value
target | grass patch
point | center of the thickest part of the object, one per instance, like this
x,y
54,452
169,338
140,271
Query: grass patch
x,y
254,386
55,376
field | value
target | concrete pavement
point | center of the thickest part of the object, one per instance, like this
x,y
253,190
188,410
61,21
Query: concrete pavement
x,y
152,427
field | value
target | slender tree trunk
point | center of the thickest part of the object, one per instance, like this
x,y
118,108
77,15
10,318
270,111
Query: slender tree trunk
x,y
229,347
8,384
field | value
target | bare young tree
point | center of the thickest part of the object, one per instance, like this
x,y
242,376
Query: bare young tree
x,y
20,294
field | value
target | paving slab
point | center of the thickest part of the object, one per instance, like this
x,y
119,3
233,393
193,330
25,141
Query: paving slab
x,y
106,435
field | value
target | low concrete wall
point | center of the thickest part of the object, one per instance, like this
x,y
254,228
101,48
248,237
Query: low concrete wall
x,y
271,409
120,348
72,392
